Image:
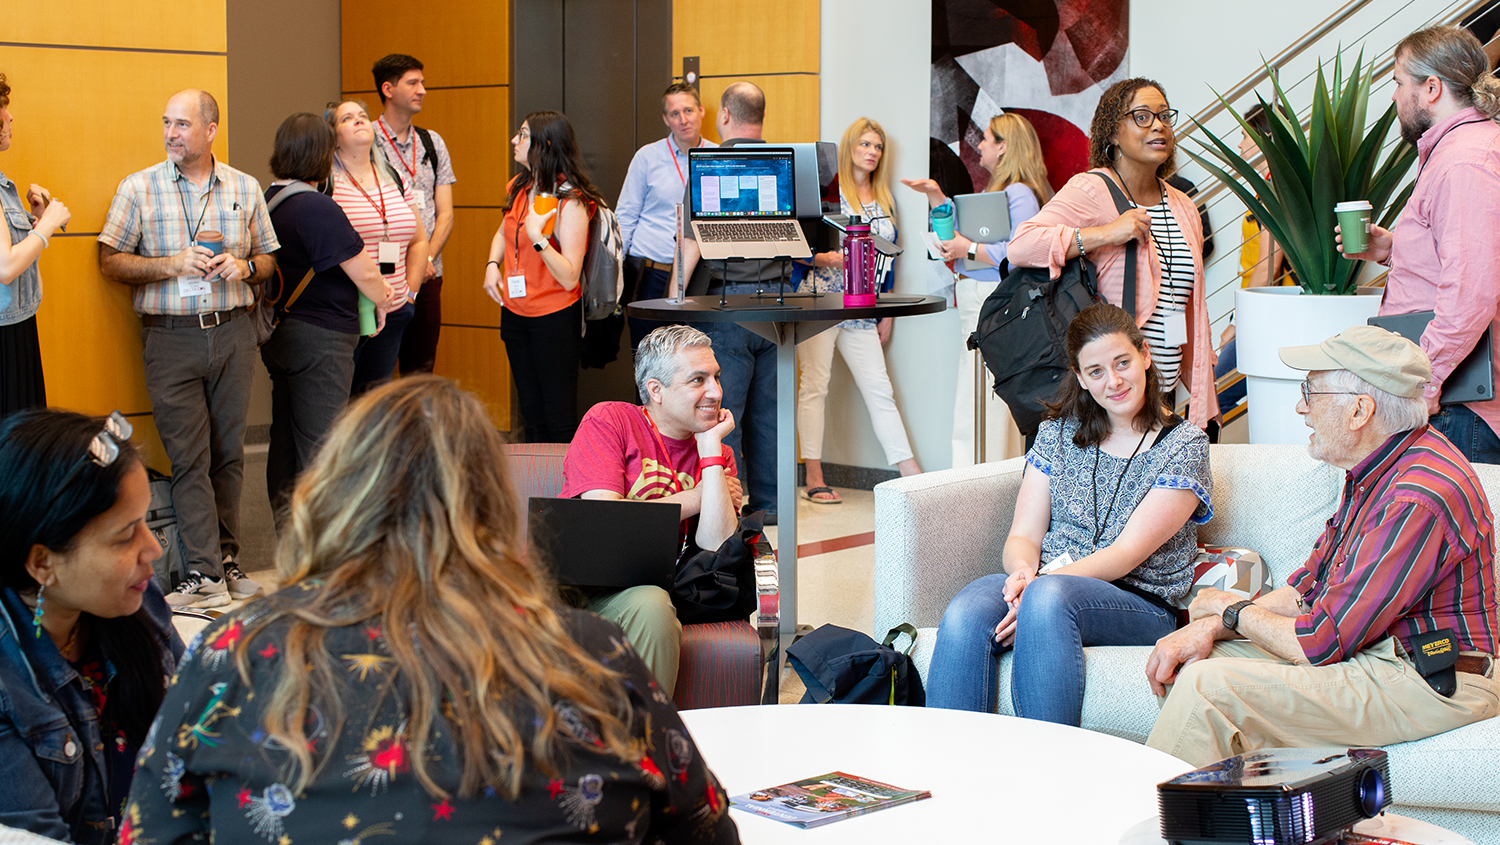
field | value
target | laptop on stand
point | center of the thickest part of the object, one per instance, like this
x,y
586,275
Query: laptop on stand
x,y
744,203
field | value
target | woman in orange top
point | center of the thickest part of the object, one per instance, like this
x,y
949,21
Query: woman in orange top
x,y
535,269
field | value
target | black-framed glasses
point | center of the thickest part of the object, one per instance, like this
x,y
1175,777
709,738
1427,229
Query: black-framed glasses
x,y
1144,117
1308,393
103,449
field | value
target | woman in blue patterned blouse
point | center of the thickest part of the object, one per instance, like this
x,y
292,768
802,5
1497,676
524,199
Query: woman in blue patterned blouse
x,y
1108,511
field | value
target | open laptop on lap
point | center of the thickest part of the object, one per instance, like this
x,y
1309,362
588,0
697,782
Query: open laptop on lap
x,y
615,543
744,203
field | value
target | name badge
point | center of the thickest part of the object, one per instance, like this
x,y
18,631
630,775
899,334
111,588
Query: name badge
x,y
387,253
517,285
1056,563
193,286
421,201
1174,326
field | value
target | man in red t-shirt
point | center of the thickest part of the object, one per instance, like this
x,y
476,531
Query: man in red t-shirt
x,y
669,449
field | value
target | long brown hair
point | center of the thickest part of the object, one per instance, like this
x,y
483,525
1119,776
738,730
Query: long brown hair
x,y
408,518
1022,161
552,159
1101,320
880,180
1111,111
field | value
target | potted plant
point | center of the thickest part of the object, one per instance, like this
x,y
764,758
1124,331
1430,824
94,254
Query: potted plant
x,y
1332,160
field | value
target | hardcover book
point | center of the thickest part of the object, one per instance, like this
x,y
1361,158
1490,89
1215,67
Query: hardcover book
x,y
823,799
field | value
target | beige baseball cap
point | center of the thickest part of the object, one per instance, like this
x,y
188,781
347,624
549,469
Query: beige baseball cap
x,y
1382,358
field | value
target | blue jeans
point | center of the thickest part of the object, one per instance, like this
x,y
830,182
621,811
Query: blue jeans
x,y
1232,394
375,359
1060,614
1471,434
747,364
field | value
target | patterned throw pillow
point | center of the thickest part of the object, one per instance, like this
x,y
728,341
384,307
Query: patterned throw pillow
x,y
1239,571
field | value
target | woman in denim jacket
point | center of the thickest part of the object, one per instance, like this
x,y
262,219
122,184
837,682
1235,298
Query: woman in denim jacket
x,y
86,641
22,239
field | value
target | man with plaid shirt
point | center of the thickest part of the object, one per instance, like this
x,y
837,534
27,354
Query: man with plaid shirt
x,y
198,339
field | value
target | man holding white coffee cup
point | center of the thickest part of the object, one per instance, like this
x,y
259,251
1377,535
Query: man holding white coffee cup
x,y
1443,251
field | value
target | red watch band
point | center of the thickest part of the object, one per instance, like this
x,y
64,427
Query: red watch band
x,y
715,461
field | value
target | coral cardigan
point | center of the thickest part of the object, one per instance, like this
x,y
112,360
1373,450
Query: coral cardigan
x,y
1085,202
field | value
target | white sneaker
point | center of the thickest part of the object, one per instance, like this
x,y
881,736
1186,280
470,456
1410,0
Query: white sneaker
x,y
199,590
240,586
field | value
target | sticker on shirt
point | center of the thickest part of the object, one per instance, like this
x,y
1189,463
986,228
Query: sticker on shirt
x,y
421,200
1057,563
1174,328
193,286
516,285
387,253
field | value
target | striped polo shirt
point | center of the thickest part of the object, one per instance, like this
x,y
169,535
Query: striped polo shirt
x,y
376,217
1177,274
1411,550
149,216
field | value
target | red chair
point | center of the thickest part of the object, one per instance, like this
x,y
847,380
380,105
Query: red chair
x,y
721,661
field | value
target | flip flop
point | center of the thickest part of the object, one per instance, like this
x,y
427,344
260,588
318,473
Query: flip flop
x,y
808,494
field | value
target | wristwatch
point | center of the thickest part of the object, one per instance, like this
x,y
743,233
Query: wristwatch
x,y
250,262
539,245
973,250
1231,617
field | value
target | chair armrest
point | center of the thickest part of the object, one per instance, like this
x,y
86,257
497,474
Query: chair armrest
x,y
936,532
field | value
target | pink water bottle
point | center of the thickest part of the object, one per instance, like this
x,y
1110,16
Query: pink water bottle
x,y
859,264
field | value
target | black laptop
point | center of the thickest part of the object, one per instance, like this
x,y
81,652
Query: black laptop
x,y
606,542
1473,380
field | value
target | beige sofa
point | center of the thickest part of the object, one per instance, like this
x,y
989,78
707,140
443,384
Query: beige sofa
x,y
936,532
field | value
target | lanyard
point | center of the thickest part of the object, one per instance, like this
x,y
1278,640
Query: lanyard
x,y
1099,528
671,470
187,217
1439,141
380,189
672,151
397,150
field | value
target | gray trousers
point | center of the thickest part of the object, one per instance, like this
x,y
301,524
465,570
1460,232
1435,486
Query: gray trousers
x,y
311,369
199,384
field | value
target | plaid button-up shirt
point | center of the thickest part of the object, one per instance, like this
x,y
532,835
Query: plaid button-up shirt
x,y
150,216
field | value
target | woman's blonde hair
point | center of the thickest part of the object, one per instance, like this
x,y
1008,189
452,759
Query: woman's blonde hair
x,y
1022,161
384,172
408,519
880,180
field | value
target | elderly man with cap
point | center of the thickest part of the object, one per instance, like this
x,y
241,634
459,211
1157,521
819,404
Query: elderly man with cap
x,y
1385,634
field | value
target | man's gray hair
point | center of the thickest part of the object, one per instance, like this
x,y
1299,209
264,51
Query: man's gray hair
x,y
656,357
1393,414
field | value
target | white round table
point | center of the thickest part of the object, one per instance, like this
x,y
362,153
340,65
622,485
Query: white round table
x,y
992,778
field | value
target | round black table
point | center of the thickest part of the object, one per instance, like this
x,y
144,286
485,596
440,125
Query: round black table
x,y
785,322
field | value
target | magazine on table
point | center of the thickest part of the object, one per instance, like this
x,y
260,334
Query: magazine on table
x,y
823,799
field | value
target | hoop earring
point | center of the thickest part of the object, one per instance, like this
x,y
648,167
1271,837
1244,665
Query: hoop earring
x,y
36,617
1112,152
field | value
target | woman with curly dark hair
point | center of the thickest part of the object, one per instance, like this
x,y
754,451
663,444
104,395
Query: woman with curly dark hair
x,y
1131,144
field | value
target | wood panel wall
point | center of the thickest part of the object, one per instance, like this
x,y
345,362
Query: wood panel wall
x,y
772,43
466,59
89,81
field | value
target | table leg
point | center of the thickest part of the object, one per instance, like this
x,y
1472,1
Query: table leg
x,y
786,476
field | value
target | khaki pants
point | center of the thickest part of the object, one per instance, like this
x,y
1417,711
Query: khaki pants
x,y
650,623
1243,698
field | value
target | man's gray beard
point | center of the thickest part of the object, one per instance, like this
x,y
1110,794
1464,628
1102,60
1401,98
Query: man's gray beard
x,y
1413,132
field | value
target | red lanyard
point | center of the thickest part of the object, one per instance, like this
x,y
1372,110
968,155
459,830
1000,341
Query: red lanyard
x,y
397,150
379,188
672,151
671,470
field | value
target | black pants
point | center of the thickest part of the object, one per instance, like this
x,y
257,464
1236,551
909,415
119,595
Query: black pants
x,y
543,353
419,341
21,382
643,283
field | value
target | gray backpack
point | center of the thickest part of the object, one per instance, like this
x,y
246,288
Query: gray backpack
x,y
161,521
603,266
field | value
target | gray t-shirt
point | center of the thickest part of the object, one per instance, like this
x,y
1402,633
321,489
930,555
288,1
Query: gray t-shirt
x,y
1081,494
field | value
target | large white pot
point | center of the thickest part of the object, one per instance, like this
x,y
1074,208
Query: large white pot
x,y
1267,319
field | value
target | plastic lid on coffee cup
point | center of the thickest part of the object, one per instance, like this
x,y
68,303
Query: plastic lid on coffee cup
x,y
1353,205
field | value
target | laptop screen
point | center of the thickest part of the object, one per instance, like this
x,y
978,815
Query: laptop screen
x,y
741,182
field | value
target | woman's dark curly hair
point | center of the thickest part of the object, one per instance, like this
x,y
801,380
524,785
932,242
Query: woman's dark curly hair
x,y
4,92
1111,111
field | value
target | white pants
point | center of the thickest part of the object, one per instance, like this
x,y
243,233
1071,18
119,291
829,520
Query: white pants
x,y
866,360
1002,438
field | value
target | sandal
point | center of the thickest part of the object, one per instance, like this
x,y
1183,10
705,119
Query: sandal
x,y
808,494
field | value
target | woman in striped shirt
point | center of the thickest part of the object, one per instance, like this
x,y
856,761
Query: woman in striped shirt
x,y
1131,144
378,205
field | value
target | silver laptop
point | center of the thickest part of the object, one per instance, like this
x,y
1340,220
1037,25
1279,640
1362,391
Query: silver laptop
x,y
982,218
744,203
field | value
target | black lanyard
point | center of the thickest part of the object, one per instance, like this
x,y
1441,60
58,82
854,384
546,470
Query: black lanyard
x,y
1098,449
187,216
1440,140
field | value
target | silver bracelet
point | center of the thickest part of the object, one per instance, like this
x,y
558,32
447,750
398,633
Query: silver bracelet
x,y
1078,239
45,242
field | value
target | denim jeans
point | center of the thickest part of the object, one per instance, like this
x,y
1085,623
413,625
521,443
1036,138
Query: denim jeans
x,y
1471,434
375,359
642,283
747,369
1060,614
1232,395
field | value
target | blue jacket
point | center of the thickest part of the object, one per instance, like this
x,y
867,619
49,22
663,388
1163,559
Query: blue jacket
x,y
49,787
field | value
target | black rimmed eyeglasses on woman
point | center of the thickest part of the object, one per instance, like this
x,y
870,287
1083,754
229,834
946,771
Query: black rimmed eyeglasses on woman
x,y
1145,117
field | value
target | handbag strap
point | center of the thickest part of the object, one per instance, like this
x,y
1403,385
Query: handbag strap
x,y
1122,205
904,628
291,190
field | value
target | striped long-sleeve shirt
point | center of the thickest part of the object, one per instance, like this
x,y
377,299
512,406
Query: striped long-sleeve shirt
x,y
1410,550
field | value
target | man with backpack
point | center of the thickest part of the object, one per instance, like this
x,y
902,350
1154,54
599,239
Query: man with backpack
x,y
420,158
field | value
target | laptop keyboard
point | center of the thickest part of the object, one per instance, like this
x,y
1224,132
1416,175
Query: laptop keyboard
x,y
747,232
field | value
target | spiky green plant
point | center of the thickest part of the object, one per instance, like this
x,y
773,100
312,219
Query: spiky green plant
x,y
1332,161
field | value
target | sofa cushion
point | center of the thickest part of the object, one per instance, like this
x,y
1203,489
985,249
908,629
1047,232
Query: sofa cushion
x,y
1273,499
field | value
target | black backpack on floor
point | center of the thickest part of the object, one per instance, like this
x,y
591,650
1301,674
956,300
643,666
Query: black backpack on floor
x,y
848,667
1023,327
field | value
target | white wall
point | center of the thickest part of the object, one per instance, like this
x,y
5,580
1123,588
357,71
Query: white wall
x,y
875,63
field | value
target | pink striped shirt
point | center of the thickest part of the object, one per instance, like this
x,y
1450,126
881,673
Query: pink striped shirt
x,y
398,226
1410,550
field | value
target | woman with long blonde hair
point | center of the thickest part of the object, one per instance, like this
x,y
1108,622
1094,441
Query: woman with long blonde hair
x,y
415,677
864,190
1012,153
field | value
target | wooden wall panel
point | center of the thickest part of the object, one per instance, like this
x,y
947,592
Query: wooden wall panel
x,y
792,109
141,24
747,37
475,358
464,301
458,43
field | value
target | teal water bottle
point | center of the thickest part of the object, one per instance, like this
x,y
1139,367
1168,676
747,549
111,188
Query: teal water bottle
x,y
366,316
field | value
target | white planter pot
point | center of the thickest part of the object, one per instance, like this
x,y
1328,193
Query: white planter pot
x,y
1267,319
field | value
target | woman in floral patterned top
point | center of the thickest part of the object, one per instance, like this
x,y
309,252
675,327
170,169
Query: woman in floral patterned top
x,y
1108,510
415,680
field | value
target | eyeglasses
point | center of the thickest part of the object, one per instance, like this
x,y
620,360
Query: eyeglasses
x,y
1145,117
103,449
1308,393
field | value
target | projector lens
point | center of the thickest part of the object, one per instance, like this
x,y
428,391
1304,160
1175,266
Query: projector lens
x,y
1371,792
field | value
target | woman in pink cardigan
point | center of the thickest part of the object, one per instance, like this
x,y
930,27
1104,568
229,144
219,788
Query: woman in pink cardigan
x,y
1131,143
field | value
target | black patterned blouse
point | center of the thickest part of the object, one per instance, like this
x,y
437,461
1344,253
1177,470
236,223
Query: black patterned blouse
x,y
209,769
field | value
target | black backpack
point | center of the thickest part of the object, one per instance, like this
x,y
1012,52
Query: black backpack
x,y
1023,327
849,667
